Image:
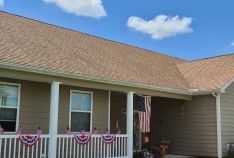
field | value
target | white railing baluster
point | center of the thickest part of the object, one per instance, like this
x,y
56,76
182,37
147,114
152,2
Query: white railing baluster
x,y
98,141
116,147
5,144
70,147
85,151
119,147
19,151
108,150
33,151
74,148
27,148
67,147
45,147
104,150
94,147
37,149
59,144
77,151
63,147
88,150
81,151
23,150
14,148
91,152
9,148
41,141
101,148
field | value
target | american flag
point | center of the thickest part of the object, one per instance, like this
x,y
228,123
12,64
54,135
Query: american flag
x,y
144,112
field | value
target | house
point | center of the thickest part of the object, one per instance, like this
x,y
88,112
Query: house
x,y
54,77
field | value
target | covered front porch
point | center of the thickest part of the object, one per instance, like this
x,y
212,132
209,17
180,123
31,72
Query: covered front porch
x,y
37,100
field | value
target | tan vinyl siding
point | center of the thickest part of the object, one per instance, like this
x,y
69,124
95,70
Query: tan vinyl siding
x,y
227,115
118,102
194,133
100,108
35,106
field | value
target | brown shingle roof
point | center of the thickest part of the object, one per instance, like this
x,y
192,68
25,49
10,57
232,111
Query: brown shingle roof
x,y
208,74
37,45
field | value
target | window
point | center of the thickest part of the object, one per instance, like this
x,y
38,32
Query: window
x,y
9,107
81,110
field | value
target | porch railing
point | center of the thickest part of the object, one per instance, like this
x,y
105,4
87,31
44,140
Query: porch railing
x,y
11,147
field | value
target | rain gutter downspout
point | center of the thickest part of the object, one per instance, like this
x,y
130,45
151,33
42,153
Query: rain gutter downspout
x,y
218,121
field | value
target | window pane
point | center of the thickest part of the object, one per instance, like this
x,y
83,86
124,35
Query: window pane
x,y
8,114
81,101
8,95
8,126
80,121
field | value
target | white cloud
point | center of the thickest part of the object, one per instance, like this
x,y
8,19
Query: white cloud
x,y
232,43
90,8
1,2
162,26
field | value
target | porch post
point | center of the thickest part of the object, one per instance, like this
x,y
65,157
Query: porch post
x,y
54,104
130,124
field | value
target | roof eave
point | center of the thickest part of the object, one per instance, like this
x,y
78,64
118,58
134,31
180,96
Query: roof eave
x,y
227,84
44,71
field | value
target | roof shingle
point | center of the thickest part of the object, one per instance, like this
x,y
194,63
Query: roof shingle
x,y
35,44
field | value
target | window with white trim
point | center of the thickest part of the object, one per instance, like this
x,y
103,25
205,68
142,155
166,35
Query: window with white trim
x,y
9,106
81,110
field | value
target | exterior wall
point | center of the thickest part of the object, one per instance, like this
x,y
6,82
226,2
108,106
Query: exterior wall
x,y
227,115
118,102
191,133
35,106
100,108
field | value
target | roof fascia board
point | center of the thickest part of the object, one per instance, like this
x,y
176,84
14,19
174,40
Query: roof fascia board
x,y
18,67
223,89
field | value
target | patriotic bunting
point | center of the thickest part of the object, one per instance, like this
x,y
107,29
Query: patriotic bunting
x,y
82,138
108,138
28,140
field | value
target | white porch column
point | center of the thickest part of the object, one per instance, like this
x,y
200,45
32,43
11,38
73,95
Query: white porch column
x,y
54,104
130,124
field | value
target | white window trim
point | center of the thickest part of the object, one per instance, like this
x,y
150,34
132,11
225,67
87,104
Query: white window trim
x,y
91,110
18,103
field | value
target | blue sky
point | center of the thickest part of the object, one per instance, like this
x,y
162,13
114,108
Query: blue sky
x,y
202,28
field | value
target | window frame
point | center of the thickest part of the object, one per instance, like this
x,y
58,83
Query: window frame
x,y
10,107
81,111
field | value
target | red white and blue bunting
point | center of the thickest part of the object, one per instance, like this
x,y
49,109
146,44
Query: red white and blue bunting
x,y
29,140
108,138
82,138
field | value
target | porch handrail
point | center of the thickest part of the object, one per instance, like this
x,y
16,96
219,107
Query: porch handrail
x,y
93,135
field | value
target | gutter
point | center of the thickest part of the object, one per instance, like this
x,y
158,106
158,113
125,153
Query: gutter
x,y
52,72
219,126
